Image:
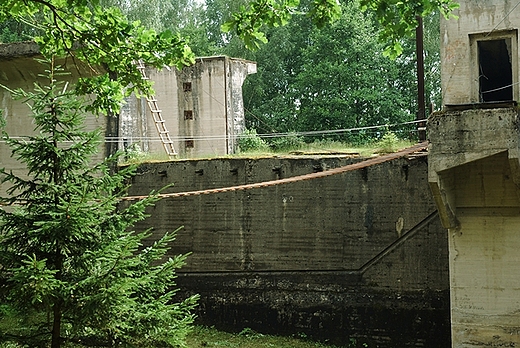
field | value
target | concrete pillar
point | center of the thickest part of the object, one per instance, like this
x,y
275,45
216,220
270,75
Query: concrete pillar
x,y
473,173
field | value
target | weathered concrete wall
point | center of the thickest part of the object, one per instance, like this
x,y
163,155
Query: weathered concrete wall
x,y
296,257
19,69
478,20
474,175
201,105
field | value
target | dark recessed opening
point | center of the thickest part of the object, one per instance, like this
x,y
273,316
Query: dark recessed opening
x,y
186,86
495,70
189,144
188,114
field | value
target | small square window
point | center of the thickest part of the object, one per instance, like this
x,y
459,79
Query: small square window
x,y
188,114
186,86
190,144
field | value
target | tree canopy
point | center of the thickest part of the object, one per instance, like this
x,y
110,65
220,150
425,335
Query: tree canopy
x,y
333,78
72,270
397,17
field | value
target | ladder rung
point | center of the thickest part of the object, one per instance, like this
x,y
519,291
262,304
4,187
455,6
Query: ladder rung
x,y
156,113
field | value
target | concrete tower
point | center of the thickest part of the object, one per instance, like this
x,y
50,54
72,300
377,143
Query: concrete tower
x,y
474,170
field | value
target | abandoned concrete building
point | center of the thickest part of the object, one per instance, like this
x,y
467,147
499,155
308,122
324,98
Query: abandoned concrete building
x,y
474,171
200,107
415,249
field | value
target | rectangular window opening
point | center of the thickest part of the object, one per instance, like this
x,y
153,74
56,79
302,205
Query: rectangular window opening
x,y
186,86
188,114
495,70
190,144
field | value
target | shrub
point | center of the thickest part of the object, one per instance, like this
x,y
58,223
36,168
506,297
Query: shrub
x,y
291,141
389,142
249,140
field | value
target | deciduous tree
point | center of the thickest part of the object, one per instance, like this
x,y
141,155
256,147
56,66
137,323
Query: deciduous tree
x,y
398,18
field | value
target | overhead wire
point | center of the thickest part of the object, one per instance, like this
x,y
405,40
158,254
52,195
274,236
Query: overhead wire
x,y
455,64
503,19
264,135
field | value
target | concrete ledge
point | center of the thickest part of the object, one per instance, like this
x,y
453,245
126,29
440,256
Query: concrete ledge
x,y
18,49
463,136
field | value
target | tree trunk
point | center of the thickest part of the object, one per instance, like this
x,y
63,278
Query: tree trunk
x,y
56,326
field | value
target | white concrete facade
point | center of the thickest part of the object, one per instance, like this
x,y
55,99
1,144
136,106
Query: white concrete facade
x,y
484,30
474,175
202,107
19,69
474,170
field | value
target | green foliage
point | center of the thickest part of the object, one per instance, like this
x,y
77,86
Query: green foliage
x,y
389,142
289,141
159,15
248,23
249,140
13,31
397,17
331,79
71,268
104,39
210,337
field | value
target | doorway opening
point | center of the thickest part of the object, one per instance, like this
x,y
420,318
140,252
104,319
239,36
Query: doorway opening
x,y
495,70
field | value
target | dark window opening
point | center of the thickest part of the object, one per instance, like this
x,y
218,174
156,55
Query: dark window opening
x,y
186,86
190,143
495,70
188,114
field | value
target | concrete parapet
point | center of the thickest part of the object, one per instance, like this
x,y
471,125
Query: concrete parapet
x,y
473,174
462,136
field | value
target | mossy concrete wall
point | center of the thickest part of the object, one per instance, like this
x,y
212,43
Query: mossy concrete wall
x,y
330,257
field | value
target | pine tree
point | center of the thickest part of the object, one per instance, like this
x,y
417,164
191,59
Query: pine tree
x,y
72,271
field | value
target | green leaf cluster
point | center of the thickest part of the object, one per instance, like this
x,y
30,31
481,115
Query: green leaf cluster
x,y
249,23
72,270
334,78
398,18
104,39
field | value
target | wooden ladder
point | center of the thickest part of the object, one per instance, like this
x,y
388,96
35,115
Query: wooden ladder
x,y
160,124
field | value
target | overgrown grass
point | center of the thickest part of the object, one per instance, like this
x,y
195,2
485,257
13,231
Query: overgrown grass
x,y
210,337
205,337
389,143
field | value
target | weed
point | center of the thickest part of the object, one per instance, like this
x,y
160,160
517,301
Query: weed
x,y
249,140
389,142
291,141
247,338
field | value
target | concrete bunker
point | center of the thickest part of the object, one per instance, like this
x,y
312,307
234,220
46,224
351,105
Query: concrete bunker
x,y
474,171
201,104
334,254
